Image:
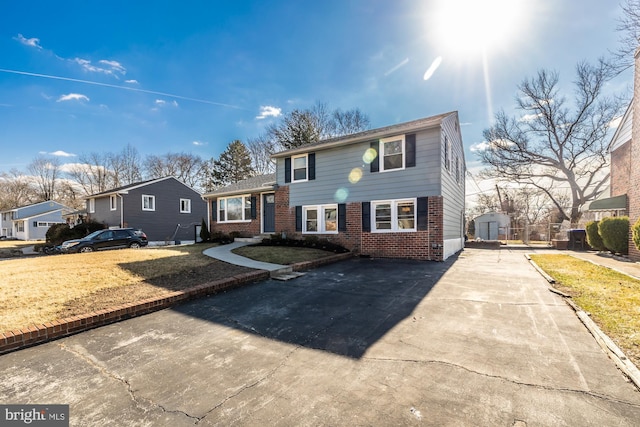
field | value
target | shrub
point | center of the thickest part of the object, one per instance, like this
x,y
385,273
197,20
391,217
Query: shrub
x,y
204,231
58,233
307,242
635,230
593,237
615,234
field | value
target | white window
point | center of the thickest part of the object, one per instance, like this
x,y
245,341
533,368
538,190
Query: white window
x,y
92,205
234,209
113,203
46,224
457,169
320,219
299,170
20,226
393,215
185,205
447,153
148,203
393,153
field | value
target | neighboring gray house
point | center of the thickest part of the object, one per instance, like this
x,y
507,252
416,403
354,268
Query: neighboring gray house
x,y
31,222
492,226
396,191
166,209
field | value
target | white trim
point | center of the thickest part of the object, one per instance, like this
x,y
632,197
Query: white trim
x,y
306,168
383,141
239,196
320,220
92,205
187,208
113,202
394,216
152,199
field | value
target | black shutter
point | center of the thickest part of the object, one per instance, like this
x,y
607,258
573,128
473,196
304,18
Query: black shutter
x,y
423,213
366,216
375,163
35,223
312,166
287,169
410,146
342,217
298,218
254,203
214,210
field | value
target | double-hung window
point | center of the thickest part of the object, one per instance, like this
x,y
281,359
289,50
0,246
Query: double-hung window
x,y
393,215
113,202
185,205
92,205
299,168
393,153
320,219
234,209
148,203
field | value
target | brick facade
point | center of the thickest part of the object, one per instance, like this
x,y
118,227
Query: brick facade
x,y
245,228
420,245
621,163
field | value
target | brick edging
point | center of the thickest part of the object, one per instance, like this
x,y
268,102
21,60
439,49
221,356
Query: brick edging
x,y
39,334
49,331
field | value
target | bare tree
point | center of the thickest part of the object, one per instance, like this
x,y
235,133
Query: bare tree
x,y
15,190
629,27
549,146
260,151
301,127
92,173
45,173
125,166
184,166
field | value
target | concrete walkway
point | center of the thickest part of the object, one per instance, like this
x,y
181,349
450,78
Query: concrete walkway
x,y
477,340
223,253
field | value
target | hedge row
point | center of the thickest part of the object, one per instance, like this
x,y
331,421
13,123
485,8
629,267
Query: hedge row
x,y
612,234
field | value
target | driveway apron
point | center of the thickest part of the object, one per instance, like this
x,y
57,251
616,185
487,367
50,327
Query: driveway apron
x,y
477,340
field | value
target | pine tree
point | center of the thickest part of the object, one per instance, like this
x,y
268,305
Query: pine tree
x,y
233,165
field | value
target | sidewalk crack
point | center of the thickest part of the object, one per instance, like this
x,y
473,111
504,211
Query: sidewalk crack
x,y
141,402
510,380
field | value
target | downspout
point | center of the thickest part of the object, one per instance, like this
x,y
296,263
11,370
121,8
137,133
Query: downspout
x,y
121,210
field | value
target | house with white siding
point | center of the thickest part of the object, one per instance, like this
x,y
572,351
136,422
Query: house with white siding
x,y
396,191
31,222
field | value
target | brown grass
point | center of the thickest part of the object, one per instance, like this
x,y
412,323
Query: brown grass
x,y
44,288
612,298
281,254
13,248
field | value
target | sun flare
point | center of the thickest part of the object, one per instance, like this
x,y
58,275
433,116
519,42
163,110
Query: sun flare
x,y
466,27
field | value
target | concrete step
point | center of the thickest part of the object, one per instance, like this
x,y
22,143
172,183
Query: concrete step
x,y
286,276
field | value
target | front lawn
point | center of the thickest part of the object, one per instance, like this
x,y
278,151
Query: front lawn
x,y
44,288
612,298
13,248
281,254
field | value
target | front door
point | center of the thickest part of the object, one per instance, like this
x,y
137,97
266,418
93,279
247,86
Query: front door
x,y
269,213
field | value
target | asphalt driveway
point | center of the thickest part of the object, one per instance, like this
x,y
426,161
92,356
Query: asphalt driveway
x,y
478,340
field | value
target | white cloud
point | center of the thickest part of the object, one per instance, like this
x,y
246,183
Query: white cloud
x,y
529,117
199,143
58,153
268,111
73,97
481,146
33,42
160,102
132,82
107,67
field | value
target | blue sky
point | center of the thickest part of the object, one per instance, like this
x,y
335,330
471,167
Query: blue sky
x,y
191,76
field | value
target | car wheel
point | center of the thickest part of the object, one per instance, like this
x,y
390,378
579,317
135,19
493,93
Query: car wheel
x,y
134,245
86,249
